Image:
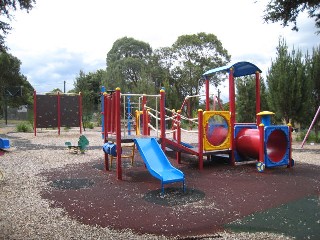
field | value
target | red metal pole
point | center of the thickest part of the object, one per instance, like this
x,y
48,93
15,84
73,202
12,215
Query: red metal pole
x,y
174,125
233,114
207,94
109,113
261,145
178,125
35,112
80,111
105,129
59,112
290,149
118,132
200,138
258,97
113,115
106,113
145,115
162,119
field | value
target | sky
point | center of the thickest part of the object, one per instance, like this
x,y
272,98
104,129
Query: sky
x,y
57,39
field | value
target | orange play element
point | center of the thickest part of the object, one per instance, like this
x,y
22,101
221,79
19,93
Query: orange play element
x,y
138,121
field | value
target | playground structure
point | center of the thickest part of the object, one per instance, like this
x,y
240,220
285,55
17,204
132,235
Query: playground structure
x,y
152,154
57,110
269,144
4,143
218,133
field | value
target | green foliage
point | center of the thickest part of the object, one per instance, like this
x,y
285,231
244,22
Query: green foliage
x,y
289,87
31,117
15,89
56,90
132,65
67,128
172,99
246,98
89,86
91,120
188,125
313,73
226,106
24,127
188,58
98,119
287,11
127,64
6,7
312,137
313,69
88,124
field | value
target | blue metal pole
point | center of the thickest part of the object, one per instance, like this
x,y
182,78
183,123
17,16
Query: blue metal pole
x,y
129,116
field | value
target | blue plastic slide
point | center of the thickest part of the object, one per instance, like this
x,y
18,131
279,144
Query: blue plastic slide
x,y
157,162
4,143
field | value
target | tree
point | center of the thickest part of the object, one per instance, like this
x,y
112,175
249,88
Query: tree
x,y
89,86
289,88
246,98
313,72
287,11
188,58
155,72
164,64
6,7
127,63
56,90
15,89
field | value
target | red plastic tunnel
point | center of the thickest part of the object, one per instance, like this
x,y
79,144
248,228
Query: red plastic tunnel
x,y
248,140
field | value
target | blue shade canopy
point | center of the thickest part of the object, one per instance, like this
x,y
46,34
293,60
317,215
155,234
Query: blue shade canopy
x,y
239,69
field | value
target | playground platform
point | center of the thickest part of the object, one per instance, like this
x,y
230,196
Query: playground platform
x,y
192,149
125,139
171,144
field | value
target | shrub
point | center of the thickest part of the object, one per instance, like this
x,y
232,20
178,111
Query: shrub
x,y
89,125
311,137
67,128
23,127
